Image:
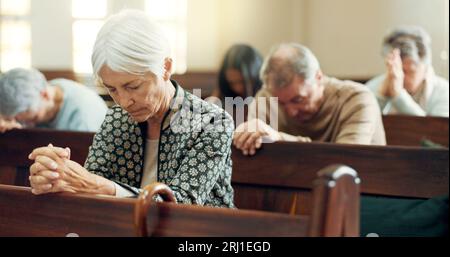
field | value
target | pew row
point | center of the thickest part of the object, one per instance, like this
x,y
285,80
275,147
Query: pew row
x,y
336,213
412,130
279,176
16,145
25,214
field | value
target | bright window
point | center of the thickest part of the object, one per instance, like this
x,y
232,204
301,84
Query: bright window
x,y
15,7
15,34
88,17
171,14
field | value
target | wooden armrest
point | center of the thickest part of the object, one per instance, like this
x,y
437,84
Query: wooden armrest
x,y
143,204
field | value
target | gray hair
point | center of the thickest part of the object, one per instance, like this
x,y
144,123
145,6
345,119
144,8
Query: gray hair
x,y
130,42
285,61
20,90
412,41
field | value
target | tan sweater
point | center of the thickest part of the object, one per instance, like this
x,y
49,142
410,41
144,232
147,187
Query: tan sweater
x,y
349,114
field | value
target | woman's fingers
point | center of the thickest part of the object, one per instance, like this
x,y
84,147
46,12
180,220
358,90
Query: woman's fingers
x,y
37,168
50,151
38,189
38,180
47,162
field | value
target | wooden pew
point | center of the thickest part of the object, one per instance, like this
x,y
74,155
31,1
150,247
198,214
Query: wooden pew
x,y
15,146
335,213
24,214
411,130
279,177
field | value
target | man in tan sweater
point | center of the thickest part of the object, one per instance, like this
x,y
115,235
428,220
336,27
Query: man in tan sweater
x,y
308,105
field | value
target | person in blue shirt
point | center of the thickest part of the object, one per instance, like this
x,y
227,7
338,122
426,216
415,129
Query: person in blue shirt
x,y
27,99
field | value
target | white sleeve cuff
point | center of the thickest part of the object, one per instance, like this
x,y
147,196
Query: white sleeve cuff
x,y
122,192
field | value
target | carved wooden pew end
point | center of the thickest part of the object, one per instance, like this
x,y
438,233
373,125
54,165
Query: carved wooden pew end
x,y
335,213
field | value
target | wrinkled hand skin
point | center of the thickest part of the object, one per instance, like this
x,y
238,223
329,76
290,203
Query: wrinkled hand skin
x,y
53,171
6,125
248,136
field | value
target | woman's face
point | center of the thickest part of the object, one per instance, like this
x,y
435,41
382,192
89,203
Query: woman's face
x,y
236,81
414,74
142,96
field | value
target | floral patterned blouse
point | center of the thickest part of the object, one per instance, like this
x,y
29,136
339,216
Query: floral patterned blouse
x,y
194,157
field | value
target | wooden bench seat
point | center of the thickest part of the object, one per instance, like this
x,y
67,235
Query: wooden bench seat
x,y
336,213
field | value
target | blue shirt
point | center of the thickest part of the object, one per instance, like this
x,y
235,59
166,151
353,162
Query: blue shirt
x,y
82,109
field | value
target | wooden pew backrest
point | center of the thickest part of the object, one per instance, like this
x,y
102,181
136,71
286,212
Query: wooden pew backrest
x,y
336,213
281,174
411,130
25,214
16,145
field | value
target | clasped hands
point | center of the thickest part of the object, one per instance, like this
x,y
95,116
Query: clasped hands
x,y
393,84
53,171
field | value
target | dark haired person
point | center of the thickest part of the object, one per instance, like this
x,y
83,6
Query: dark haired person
x,y
238,78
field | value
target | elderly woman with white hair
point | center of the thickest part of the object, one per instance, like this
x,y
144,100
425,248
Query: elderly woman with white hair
x,y
29,100
157,132
410,85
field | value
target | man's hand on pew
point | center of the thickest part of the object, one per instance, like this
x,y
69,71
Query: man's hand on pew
x,y
8,124
249,136
54,172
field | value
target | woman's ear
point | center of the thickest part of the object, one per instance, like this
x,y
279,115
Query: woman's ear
x,y
167,68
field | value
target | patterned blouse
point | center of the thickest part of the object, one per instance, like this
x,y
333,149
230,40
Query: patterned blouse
x,y
194,157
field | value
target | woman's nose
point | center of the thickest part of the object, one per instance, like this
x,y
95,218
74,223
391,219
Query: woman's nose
x,y
125,99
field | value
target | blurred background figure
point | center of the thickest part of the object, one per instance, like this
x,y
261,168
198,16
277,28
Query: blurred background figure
x,y
239,77
29,100
410,85
239,73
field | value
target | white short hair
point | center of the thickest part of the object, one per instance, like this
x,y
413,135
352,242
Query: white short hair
x,y
412,41
20,91
131,42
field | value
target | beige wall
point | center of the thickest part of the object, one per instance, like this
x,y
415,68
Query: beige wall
x,y
203,35
213,26
344,34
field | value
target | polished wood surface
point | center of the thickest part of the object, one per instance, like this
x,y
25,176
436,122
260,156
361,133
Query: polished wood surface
x,y
390,171
81,215
143,203
63,214
411,130
279,177
336,192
